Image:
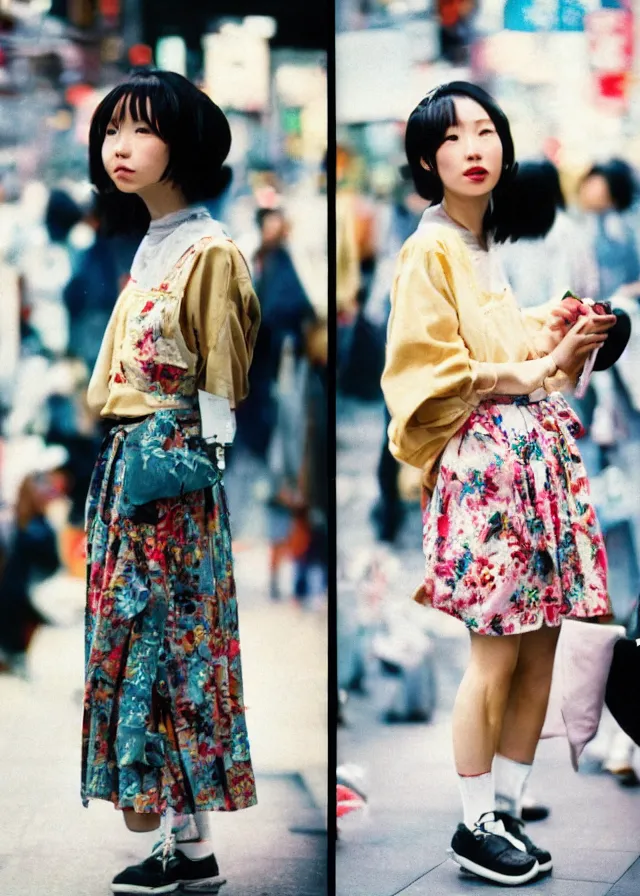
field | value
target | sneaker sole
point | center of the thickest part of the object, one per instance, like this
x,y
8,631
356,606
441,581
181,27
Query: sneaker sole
x,y
546,866
210,885
509,880
154,891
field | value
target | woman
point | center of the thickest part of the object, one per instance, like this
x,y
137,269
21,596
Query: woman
x,y
552,251
511,539
164,733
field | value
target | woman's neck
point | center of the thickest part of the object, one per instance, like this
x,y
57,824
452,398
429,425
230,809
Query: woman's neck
x,y
468,212
163,199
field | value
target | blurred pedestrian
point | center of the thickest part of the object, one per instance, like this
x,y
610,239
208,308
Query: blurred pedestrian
x,y
100,271
314,561
46,268
605,194
31,555
556,255
164,732
537,268
286,313
471,384
388,512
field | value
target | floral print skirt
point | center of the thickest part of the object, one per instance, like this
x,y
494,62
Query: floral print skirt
x,y
510,535
164,719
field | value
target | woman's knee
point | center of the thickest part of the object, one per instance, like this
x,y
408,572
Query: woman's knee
x,y
494,660
536,658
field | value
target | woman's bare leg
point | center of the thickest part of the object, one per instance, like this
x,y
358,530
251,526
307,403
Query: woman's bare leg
x,y
481,702
529,695
141,823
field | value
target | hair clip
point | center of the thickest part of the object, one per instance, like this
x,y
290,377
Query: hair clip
x,y
432,94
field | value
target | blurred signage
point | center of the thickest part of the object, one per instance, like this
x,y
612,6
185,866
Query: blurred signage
x,y
610,39
297,85
171,54
373,76
110,9
237,70
140,55
546,15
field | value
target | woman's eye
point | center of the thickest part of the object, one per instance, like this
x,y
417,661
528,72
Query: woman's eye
x,y
451,137
486,131
110,132
142,129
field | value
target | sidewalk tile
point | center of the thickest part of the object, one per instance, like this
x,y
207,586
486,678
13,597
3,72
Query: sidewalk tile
x,y
448,880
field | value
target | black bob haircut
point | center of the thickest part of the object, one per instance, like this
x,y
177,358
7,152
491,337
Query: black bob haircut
x,y
537,192
195,129
426,129
621,181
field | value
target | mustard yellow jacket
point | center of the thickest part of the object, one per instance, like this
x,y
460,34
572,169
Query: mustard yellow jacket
x,y
451,343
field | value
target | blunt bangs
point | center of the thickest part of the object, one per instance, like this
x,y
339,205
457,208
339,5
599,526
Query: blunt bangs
x,y
194,128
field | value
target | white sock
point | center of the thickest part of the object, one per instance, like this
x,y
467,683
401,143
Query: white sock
x,y
477,796
197,845
511,779
202,823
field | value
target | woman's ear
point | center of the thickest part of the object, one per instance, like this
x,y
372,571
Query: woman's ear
x,y
425,165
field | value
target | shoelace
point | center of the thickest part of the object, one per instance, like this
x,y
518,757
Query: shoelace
x,y
168,843
491,817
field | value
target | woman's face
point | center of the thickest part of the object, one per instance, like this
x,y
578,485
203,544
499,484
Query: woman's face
x,y
133,156
469,161
594,195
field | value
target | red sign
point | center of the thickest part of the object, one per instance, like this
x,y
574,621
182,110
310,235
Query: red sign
x,y
110,9
610,36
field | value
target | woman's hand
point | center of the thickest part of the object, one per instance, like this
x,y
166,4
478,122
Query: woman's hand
x,y
566,314
560,320
588,333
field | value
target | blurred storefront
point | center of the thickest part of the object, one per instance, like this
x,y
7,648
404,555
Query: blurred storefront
x,y
566,72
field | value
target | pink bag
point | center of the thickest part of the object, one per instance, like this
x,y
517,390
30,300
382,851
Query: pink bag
x,y
580,672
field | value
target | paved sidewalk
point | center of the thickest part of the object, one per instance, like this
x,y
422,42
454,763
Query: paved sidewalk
x,y
51,846
400,847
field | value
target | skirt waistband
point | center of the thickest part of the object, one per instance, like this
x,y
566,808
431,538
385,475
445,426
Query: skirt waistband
x,y
186,414
532,398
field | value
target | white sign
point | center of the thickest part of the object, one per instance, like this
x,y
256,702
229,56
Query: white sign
x,y
236,69
171,55
373,76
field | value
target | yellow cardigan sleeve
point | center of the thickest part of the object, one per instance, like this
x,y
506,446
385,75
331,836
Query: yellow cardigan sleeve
x,y
220,317
431,383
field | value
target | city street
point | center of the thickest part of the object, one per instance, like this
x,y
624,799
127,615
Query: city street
x,y
400,844
52,845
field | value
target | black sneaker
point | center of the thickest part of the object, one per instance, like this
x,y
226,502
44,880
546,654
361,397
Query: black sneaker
x,y
178,872
515,827
492,856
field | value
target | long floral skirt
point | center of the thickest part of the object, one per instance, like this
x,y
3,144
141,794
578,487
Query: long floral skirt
x,y
510,535
164,720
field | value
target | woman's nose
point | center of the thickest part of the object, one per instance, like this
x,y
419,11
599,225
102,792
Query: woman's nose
x,y
122,146
472,150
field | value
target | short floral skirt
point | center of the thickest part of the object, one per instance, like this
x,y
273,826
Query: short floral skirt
x,y
164,718
510,535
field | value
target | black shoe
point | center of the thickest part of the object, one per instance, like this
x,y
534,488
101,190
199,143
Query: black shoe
x,y
515,827
626,777
492,856
154,876
535,812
